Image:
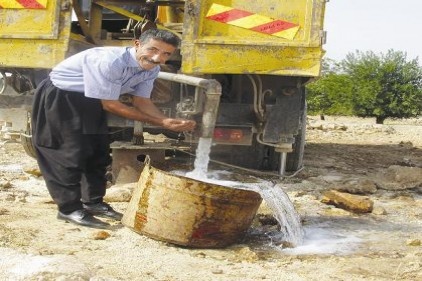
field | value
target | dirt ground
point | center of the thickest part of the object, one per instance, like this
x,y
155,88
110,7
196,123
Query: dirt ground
x,y
349,154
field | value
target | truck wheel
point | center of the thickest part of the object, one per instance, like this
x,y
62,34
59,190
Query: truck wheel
x,y
3,82
27,145
26,138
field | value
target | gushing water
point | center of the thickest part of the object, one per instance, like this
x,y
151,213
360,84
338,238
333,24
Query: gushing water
x,y
276,199
278,202
202,159
283,210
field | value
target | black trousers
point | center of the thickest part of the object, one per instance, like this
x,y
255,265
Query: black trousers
x,y
70,137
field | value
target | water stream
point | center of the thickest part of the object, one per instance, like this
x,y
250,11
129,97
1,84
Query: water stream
x,y
202,160
274,196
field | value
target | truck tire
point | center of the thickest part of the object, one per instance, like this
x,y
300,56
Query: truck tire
x,y
27,145
3,82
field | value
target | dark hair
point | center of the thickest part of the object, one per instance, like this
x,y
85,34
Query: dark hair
x,y
160,34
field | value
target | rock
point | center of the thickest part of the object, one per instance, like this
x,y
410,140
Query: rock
x,y
5,185
201,255
378,210
406,144
3,211
357,186
119,192
35,172
321,125
413,242
267,219
246,254
406,162
399,178
349,202
331,178
101,235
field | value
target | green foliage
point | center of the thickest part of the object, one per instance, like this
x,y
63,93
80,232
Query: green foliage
x,y
368,85
385,86
330,95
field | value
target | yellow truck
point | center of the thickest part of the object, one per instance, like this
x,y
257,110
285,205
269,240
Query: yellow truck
x,y
241,70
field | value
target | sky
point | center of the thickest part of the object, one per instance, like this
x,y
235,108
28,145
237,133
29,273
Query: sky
x,y
373,25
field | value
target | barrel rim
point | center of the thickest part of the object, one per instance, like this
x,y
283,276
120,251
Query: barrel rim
x,y
250,195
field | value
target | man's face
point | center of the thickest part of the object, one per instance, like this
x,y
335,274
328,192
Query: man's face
x,y
152,53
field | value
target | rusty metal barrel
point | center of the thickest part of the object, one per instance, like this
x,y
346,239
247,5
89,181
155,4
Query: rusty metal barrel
x,y
188,212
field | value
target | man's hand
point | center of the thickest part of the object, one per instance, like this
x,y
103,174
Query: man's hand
x,y
145,111
179,125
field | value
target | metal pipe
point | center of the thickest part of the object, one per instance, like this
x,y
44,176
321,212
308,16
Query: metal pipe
x,y
283,160
184,79
212,101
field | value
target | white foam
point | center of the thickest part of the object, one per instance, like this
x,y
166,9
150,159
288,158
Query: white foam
x,y
319,240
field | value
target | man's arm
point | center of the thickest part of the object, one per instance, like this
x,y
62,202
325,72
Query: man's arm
x,y
144,110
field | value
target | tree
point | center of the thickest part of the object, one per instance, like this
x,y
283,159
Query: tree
x,y
384,86
331,93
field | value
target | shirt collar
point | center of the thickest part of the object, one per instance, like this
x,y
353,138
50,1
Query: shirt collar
x,y
132,60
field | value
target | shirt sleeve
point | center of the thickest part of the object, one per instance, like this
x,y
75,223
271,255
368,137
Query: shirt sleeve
x,y
99,79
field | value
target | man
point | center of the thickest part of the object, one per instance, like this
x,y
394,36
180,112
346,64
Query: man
x,y
69,123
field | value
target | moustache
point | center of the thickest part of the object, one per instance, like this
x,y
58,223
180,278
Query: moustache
x,y
152,61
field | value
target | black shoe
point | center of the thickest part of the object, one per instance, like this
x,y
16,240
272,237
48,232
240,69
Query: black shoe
x,y
82,217
103,210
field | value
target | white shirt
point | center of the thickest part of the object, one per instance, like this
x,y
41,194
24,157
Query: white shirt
x,y
104,73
